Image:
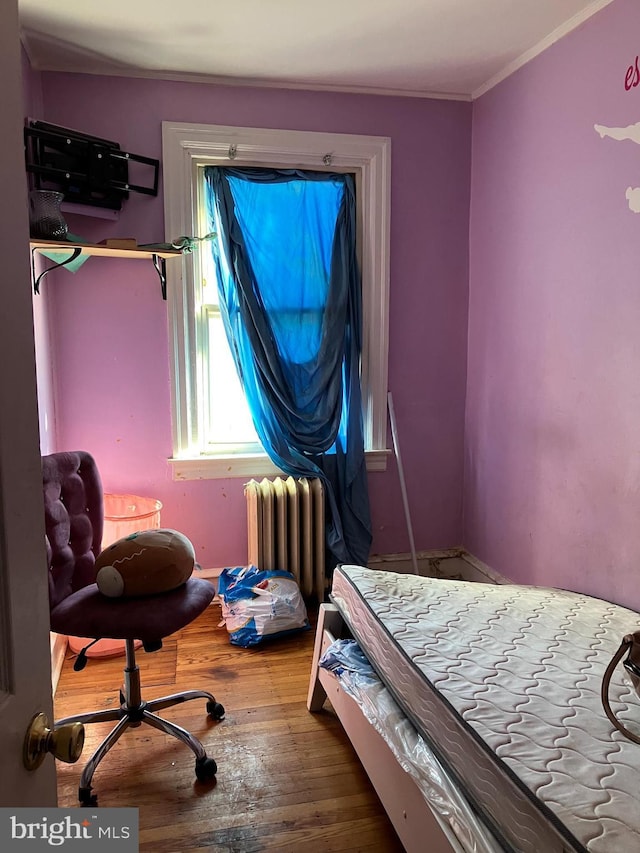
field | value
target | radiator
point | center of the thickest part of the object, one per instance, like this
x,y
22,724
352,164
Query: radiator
x,y
285,526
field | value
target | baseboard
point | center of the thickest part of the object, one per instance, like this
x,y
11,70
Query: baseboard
x,y
452,563
485,570
427,561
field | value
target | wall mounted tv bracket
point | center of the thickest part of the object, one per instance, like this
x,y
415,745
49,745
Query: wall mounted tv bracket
x,y
86,169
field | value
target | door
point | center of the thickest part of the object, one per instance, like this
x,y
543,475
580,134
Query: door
x,y
25,667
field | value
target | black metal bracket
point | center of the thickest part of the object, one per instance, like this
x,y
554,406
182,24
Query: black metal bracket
x,y
159,263
36,280
161,268
86,169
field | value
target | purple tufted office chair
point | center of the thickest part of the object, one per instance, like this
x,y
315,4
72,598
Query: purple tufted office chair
x,y
73,524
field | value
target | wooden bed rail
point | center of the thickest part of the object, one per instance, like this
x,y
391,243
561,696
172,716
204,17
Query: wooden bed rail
x,y
417,826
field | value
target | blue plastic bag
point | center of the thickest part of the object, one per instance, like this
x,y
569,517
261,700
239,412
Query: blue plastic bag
x,y
259,605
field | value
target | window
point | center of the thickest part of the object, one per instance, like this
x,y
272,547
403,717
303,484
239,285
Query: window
x,y
208,433
227,428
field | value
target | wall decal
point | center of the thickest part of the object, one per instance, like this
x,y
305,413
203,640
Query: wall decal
x,y
632,77
632,133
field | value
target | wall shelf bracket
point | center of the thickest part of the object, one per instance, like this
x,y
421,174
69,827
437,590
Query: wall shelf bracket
x,y
37,279
161,268
156,253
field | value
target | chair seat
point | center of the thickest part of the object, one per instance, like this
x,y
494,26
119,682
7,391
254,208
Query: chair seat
x,y
88,613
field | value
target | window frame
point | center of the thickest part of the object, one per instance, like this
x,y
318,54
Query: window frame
x,y
186,147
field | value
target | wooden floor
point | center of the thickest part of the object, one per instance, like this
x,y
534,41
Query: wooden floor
x,y
287,780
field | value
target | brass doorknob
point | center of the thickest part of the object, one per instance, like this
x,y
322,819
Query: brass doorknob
x,y
65,743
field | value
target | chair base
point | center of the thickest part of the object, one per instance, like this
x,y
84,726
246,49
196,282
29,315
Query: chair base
x,y
132,713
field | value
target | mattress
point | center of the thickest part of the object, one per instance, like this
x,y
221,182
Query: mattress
x,y
459,823
503,681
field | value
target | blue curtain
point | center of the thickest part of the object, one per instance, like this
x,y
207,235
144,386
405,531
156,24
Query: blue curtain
x,y
290,298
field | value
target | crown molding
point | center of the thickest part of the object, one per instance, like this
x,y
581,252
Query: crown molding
x,y
87,65
246,82
559,33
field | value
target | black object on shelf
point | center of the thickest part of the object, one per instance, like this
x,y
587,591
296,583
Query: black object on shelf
x,y
86,169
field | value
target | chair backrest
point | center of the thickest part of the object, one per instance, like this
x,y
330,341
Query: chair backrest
x,y
73,506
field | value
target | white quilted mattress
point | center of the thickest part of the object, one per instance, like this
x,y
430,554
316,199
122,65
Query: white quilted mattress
x,y
504,682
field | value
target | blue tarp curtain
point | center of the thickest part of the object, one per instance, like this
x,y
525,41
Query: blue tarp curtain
x,y
290,298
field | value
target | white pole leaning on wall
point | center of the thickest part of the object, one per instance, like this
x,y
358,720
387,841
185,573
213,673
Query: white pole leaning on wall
x,y
403,486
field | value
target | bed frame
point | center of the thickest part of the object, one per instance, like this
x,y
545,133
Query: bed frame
x,y
417,826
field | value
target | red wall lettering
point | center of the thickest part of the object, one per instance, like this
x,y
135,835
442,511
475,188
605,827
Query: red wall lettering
x,y
632,77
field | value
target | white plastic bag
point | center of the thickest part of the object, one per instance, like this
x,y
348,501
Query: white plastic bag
x,y
259,605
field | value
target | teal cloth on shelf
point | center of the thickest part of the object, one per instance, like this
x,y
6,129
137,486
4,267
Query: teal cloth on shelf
x,y
58,256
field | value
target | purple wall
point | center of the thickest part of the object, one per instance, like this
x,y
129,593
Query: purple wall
x,y
109,323
32,105
552,468
31,88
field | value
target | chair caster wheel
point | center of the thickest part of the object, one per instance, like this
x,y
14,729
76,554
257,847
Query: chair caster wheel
x,y
86,797
215,710
206,769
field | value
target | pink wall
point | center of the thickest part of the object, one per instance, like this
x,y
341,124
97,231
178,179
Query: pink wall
x,y
110,327
552,467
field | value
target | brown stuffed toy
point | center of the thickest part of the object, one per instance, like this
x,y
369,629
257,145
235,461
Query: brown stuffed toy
x,y
145,563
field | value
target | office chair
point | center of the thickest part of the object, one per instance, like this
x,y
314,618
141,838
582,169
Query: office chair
x,y
73,503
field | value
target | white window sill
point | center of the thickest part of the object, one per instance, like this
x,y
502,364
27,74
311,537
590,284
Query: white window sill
x,y
253,465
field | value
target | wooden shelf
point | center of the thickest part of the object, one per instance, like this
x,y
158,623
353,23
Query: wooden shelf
x,y
76,250
100,250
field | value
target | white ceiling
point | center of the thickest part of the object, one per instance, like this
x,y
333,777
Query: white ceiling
x,y
443,48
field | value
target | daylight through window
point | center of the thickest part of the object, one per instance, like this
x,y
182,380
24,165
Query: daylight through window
x,y
213,433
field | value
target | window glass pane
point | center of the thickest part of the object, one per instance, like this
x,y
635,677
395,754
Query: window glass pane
x,y
229,417
288,230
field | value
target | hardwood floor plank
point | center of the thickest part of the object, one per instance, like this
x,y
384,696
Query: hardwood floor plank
x,y
287,780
